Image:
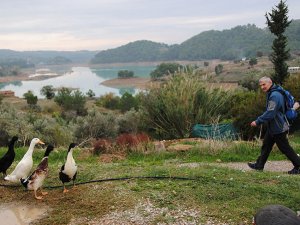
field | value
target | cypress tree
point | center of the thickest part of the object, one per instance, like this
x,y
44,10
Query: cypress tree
x,y
277,22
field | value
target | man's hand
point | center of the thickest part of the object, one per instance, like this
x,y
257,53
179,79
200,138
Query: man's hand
x,y
253,124
296,106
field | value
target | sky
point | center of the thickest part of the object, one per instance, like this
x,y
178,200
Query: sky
x,y
71,25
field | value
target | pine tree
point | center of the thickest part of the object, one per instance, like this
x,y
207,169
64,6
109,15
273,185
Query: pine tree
x,y
277,22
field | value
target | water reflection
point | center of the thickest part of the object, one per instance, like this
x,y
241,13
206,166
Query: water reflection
x,y
128,90
16,83
82,78
20,214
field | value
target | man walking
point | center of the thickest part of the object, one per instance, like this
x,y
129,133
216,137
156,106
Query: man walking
x,y
277,128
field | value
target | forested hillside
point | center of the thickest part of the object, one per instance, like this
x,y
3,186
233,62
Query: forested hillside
x,y
138,51
235,43
47,57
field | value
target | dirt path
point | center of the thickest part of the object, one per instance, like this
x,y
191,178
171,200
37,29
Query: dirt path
x,y
272,166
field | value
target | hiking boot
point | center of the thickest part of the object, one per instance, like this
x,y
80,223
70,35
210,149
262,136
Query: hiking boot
x,y
254,166
295,170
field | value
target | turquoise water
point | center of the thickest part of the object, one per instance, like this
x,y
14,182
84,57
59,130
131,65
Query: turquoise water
x,y
83,78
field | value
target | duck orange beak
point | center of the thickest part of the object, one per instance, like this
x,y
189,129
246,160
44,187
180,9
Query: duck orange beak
x,y
40,142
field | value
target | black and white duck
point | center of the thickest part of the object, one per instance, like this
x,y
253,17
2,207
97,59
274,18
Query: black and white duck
x,y
8,158
36,179
25,165
68,171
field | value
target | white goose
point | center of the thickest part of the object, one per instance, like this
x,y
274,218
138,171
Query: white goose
x,y
24,166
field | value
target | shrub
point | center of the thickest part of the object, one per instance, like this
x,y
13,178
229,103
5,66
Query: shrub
x,y
30,98
127,141
90,93
250,82
71,101
109,101
171,110
164,69
14,122
246,107
143,137
96,125
134,143
218,69
127,102
129,122
48,91
252,61
102,145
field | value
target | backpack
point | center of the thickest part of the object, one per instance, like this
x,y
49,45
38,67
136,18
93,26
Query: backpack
x,y
290,113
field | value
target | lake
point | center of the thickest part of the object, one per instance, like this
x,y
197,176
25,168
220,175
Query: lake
x,y
83,78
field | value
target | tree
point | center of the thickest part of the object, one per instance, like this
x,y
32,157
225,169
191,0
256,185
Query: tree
x,y
109,101
30,98
90,93
71,101
219,69
125,74
165,69
127,102
253,61
48,91
277,22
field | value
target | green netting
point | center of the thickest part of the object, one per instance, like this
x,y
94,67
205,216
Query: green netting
x,y
215,131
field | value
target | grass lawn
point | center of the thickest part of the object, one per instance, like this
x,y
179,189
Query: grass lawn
x,y
216,194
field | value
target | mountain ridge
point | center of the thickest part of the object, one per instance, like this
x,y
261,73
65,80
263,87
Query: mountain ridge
x,y
229,44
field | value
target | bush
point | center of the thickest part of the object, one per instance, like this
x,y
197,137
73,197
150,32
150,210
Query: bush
x,y
71,101
48,91
218,69
96,125
129,122
127,102
252,61
90,93
171,110
250,82
102,145
164,69
127,141
30,98
109,101
246,107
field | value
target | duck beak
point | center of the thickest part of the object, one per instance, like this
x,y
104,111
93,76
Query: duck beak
x,y
40,142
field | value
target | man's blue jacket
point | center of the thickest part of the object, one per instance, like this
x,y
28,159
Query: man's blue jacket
x,y
274,116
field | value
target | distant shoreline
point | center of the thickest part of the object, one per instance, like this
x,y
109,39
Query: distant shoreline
x,y
134,82
137,82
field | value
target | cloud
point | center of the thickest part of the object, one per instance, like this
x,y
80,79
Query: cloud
x,y
103,24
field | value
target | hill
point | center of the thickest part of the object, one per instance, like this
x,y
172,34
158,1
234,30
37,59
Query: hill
x,y
47,57
231,44
235,43
138,51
